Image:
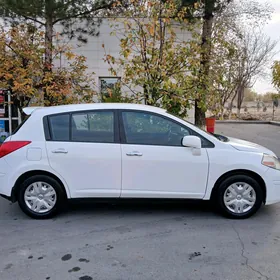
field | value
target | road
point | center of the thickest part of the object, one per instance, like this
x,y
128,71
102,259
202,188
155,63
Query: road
x,y
185,241
263,134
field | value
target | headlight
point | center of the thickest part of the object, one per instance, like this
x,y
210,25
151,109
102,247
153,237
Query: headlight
x,y
271,161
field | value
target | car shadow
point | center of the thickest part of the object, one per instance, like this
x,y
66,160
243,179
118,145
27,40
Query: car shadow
x,y
130,207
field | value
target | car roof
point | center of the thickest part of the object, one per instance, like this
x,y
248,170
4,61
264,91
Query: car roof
x,y
90,106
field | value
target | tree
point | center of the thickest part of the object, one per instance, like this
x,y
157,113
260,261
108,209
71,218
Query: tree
x,y
267,97
256,53
231,16
250,95
204,77
276,75
48,13
276,82
156,63
236,59
22,69
205,10
224,62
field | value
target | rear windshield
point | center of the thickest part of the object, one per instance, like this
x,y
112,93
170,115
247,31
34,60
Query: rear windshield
x,y
25,118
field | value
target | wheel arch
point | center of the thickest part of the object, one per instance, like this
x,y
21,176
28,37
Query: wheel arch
x,y
28,174
250,173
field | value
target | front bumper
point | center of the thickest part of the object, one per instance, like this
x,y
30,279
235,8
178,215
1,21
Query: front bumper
x,y
272,180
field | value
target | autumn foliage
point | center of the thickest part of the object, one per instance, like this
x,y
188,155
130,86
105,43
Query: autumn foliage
x,y
24,72
158,59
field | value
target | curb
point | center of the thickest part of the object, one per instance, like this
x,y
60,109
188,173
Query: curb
x,y
275,123
249,122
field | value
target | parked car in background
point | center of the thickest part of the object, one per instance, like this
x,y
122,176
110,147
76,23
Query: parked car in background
x,y
131,151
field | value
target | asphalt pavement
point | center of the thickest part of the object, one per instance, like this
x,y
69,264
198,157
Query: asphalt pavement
x,y
185,241
264,134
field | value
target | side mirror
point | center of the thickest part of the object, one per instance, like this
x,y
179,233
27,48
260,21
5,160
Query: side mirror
x,y
193,142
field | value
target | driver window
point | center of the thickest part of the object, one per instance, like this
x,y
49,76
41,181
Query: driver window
x,y
150,129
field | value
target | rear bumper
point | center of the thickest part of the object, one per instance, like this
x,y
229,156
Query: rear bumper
x,y
5,188
272,178
5,191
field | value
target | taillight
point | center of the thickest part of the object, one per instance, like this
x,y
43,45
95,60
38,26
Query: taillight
x,y
11,146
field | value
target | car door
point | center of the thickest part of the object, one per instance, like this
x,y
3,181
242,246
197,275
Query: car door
x,y
154,162
84,148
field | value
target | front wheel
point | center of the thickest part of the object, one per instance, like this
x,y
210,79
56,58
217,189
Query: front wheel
x,y
239,196
40,196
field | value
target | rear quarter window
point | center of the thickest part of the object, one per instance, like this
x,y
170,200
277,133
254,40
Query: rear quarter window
x,y
59,126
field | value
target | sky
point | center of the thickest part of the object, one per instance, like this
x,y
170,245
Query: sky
x,y
272,29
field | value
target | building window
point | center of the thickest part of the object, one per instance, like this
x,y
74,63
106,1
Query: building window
x,y
109,87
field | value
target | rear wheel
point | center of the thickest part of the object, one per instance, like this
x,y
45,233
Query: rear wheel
x,y
239,196
40,196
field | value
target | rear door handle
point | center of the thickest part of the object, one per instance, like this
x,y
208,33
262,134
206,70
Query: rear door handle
x,y
60,151
134,154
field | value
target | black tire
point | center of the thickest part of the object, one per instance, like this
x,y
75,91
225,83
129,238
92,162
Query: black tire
x,y
60,196
219,197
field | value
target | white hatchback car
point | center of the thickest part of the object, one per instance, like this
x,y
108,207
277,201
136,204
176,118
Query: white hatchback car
x,y
130,151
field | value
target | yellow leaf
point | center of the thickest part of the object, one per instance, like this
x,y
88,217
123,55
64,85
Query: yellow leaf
x,y
151,30
69,55
196,5
8,76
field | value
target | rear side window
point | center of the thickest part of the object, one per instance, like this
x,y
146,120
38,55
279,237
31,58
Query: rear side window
x,y
95,126
60,127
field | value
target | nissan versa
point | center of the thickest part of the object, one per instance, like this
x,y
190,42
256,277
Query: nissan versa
x,y
130,151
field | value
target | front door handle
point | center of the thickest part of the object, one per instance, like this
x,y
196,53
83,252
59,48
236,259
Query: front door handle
x,y
134,154
60,151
